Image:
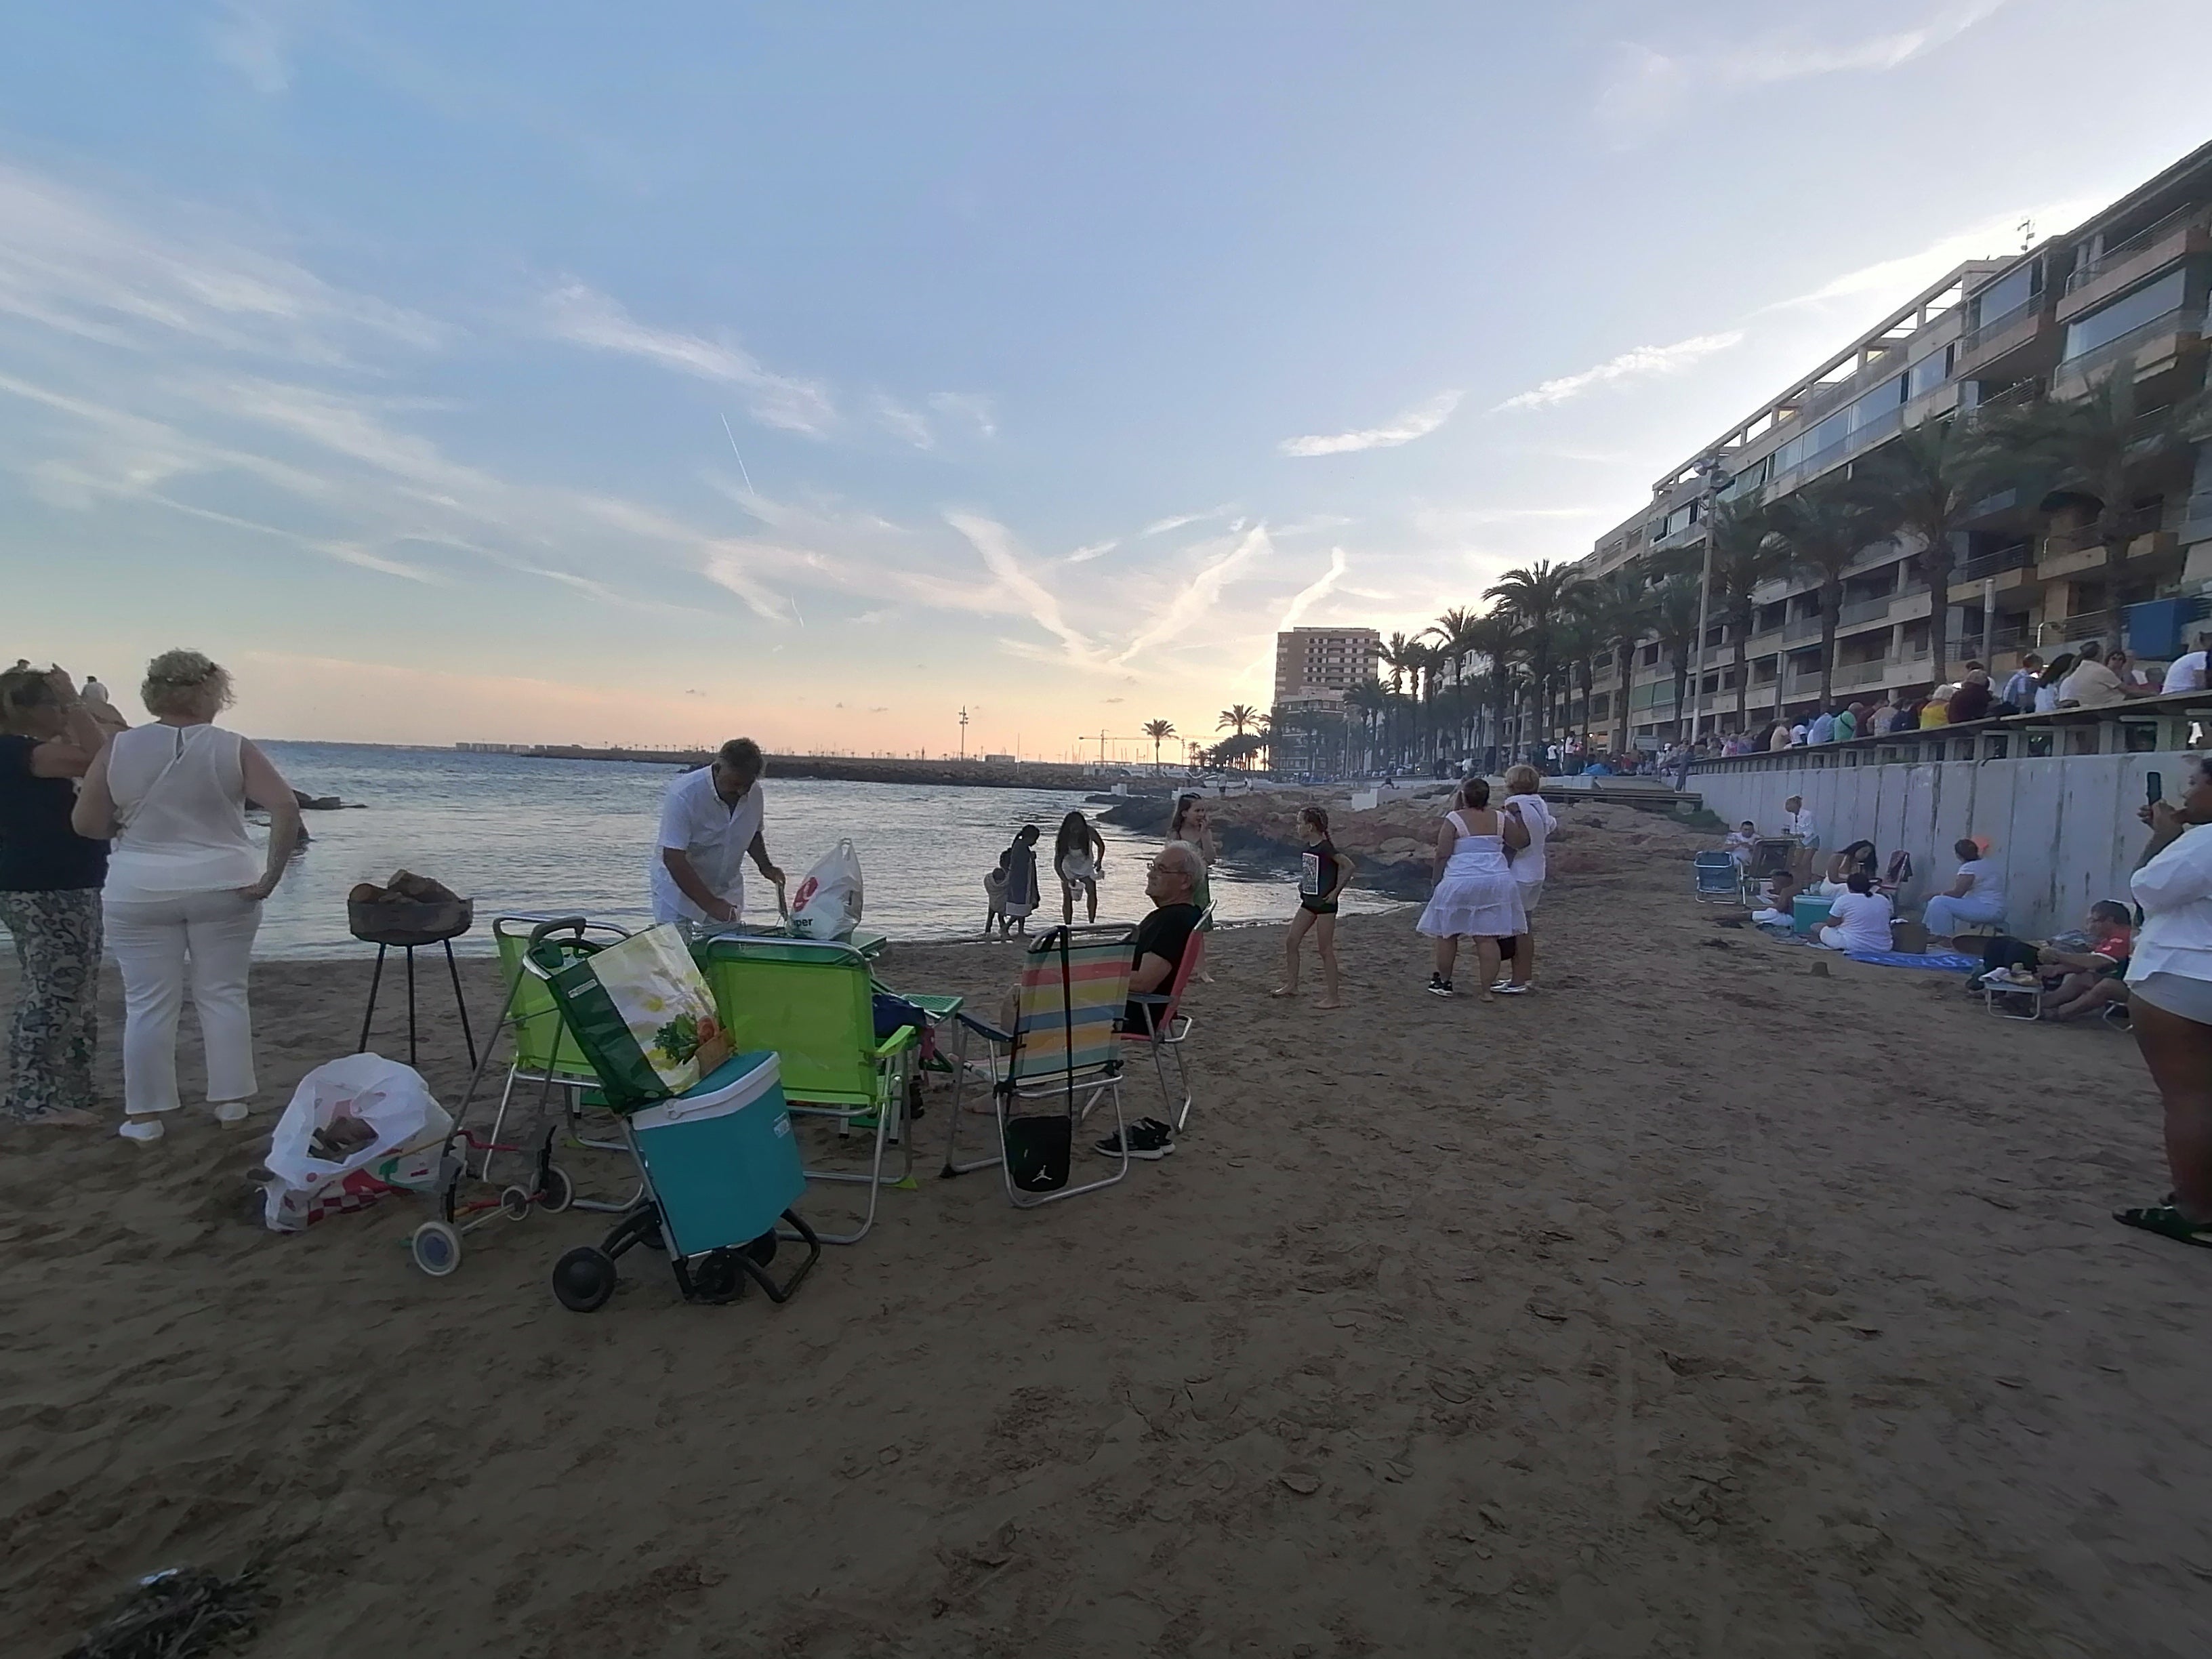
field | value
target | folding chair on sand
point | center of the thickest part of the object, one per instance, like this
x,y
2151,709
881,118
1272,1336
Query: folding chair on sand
x,y
1714,878
813,1002
1166,1026
1064,1048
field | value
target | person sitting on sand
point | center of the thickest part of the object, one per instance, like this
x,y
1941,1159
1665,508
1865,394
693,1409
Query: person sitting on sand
x,y
1782,890
1078,858
1860,918
1476,896
1324,873
2093,977
1017,882
1859,856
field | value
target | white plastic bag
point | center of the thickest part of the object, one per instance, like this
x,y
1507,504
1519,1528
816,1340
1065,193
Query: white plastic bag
x,y
390,1099
828,902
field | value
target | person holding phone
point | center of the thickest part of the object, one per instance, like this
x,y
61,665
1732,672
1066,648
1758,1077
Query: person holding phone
x,y
2170,1001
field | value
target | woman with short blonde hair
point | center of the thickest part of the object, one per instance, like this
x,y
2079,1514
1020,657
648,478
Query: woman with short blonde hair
x,y
1525,802
185,884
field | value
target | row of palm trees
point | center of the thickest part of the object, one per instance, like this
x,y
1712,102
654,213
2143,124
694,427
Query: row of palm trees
x,y
1492,681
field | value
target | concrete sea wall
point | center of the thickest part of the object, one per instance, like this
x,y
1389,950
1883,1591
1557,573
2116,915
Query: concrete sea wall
x,y
2064,828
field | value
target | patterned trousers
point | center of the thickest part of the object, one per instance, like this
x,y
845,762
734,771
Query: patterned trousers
x,y
57,1023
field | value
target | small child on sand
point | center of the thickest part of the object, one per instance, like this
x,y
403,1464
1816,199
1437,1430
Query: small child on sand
x,y
1017,895
1325,874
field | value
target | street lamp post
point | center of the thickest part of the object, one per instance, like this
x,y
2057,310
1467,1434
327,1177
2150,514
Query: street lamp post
x,y
964,731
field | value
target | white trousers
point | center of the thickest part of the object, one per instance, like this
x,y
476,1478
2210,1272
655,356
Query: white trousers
x,y
203,940
1944,916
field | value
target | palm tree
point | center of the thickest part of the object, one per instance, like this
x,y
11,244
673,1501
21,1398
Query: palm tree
x,y
2094,446
1923,481
1623,610
1745,556
1539,595
1820,530
1395,656
1450,632
1496,638
1159,732
1238,714
1675,607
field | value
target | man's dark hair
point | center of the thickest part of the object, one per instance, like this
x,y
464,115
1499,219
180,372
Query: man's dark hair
x,y
741,755
1316,817
2111,910
1859,882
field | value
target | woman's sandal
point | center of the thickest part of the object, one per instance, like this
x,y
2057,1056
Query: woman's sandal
x,y
2168,1223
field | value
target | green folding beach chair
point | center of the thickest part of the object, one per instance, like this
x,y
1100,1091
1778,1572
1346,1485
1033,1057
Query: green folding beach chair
x,y
813,1003
1063,1057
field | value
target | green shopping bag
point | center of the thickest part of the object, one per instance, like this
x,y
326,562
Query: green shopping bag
x,y
640,1012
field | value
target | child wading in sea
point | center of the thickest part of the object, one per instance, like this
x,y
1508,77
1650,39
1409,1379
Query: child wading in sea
x,y
1078,856
1325,875
1018,884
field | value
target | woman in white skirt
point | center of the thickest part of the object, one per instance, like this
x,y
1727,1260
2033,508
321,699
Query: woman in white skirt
x,y
1476,896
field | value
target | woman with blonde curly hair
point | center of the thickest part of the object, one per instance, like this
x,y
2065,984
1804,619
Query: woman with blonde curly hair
x,y
185,884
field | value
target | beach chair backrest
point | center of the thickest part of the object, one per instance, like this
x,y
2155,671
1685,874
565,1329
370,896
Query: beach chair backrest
x,y
1075,983
542,1043
1772,856
809,1000
1193,959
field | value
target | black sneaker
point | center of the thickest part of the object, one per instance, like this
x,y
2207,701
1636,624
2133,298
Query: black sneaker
x,y
1439,985
1148,1138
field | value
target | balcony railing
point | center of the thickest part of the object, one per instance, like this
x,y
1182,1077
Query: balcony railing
x,y
1990,328
1864,611
2181,320
1994,564
2127,248
1851,674
1799,629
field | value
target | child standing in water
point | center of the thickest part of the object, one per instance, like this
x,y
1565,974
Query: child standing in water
x,y
1018,875
1078,856
1324,876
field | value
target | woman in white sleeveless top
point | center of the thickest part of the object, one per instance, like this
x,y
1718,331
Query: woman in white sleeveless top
x,y
1524,799
1476,896
185,884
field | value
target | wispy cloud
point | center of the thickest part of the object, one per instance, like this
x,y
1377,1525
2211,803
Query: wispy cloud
x,y
1177,520
1629,365
249,37
1316,591
967,405
1646,86
1891,279
581,315
901,422
995,543
1197,596
1416,422
1083,555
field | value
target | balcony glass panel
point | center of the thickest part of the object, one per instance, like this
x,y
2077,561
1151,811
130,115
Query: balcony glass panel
x,y
2134,308
1884,399
1927,373
2008,293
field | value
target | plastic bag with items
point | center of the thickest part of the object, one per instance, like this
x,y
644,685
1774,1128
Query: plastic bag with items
x,y
356,1129
828,902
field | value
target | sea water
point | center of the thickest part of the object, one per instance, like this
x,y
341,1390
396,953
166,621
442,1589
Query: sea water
x,y
521,835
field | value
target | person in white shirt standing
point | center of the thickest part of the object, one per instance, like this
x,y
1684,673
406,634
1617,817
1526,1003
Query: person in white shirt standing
x,y
2187,673
710,821
1797,823
2170,1002
1525,802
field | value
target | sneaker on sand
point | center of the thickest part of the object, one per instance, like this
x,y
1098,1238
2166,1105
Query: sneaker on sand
x,y
1508,988
1148,1138
1439,985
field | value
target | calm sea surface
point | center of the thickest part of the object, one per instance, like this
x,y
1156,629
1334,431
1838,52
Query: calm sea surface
x,y
522,834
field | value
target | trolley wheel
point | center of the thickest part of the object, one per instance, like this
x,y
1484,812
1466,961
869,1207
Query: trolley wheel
x,y
583,1278
714,1278
514,1203
436,1248
556,1192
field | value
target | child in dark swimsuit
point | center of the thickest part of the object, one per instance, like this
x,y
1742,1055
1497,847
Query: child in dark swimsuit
x,y
1324,876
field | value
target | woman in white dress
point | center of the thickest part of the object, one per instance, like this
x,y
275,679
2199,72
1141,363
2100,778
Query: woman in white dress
x,y
1476,896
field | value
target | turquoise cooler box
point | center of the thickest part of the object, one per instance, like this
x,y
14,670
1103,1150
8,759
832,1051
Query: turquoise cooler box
x,y
1807,914
721,1158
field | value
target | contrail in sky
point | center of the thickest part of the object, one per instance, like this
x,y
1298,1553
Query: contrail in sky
x,y
740,454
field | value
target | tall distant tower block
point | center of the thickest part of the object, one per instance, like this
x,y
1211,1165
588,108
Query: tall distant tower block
x,y
1320,664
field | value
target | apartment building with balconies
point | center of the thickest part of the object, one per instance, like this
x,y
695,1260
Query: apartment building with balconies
x,y
2122,293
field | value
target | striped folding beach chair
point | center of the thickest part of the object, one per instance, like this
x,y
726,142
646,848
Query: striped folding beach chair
x,y
1061,1058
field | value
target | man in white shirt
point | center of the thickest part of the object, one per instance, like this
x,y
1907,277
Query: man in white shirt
x,y
2092,685
2187,673
1798,825
710,820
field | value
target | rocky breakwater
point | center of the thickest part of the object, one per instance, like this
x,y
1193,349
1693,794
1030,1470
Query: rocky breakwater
x,y
1395,840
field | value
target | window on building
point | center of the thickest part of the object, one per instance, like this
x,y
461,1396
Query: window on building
x,y
2133,309
1884,399
1928,373
2008,293
1651,655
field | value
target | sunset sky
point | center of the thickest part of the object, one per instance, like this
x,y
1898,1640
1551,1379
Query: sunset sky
x,y
655,374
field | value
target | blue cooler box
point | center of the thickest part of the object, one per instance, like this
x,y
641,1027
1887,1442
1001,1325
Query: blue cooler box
x,y
720,1157
1808,913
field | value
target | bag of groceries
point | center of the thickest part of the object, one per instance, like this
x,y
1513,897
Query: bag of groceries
x,y
828,902
640,1011
356,1129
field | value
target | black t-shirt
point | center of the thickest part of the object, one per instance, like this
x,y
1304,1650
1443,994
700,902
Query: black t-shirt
x,y
1317,877
1163,933
39,851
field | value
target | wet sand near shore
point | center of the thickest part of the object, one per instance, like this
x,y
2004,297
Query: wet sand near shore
x,y
1698,1304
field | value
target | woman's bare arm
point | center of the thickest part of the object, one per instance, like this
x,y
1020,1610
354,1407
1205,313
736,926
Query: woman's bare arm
x,y
265,787
94,815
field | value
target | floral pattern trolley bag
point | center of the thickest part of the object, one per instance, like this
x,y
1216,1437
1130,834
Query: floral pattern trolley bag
x,y
640,1011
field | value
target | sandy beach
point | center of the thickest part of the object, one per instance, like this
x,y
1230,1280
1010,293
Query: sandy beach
x,y
1700,1305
